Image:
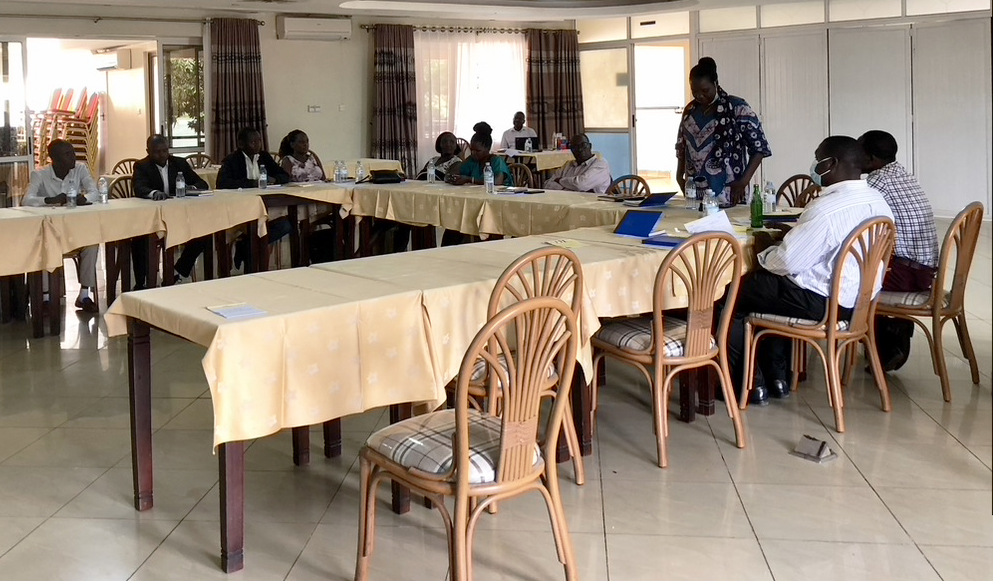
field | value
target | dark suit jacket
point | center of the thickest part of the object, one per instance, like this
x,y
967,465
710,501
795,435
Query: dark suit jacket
x,y
234,174
146,177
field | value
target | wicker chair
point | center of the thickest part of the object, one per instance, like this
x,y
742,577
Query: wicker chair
x,y
942,305
476,457
704,265
124,167
522,175
200,161
792,188
629,186
868,246
808,195
463,147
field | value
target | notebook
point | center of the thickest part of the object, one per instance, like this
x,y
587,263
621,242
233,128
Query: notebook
x,y
658,199
640,223
664,240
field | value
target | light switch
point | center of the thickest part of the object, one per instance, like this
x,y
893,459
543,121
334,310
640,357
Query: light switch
x,y
313,108
341,107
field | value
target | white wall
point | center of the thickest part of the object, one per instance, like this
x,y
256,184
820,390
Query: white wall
x,y
125,118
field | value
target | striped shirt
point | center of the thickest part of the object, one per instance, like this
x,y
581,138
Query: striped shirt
x,y
916,236
808,251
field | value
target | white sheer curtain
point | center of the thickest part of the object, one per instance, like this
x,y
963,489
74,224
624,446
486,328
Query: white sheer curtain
x,y
465,78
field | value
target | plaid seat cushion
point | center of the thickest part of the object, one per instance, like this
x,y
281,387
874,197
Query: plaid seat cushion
x,y
479,370
794,321
907,299
425,442
635,334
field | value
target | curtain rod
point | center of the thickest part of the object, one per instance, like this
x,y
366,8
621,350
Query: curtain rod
x,y
96,19
370,27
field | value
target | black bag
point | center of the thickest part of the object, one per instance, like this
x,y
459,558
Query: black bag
x,y
385,176
321,245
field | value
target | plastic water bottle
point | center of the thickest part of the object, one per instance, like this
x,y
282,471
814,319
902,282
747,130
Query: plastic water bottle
x,y
488,178
432,176
527,146
71,196
689,192
103,190
339,171
769,199
359,171
181,185
263,178
710,203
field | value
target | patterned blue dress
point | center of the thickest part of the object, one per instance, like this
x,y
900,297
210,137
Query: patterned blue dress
x,y
697,138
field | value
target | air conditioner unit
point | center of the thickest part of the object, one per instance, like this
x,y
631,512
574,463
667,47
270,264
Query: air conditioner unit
x,y
114,60
300,28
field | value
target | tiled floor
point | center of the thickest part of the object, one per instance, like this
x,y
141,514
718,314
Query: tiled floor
x,y
909,497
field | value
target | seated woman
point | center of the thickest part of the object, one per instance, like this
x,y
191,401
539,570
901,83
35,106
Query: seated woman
x,y
471,171
448,160
298,160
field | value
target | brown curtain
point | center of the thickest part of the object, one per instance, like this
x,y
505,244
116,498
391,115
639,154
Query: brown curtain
x,y
238,98
394,114
555,94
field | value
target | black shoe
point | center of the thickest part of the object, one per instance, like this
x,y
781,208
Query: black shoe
x,y
240,251
779,389
759,396
891,362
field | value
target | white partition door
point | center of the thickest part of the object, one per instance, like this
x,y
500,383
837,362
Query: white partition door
x,y
870,84
737,66
952,107
795,101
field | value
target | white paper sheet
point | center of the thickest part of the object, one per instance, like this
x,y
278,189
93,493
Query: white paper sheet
x,y
713,223
237,311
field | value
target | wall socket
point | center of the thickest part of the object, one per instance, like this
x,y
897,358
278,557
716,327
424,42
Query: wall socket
x,y
313,108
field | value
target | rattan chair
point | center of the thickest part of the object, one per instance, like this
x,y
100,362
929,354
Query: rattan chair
x,y
200,161
629,186
522,175
124,167
942,306
867,248
476,457
808,195
792,188
703,267
463,147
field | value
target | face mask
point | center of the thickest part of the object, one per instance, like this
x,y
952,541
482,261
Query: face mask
x,y
717,95
817,176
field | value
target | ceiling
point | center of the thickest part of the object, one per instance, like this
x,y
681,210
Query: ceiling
x,y
506,10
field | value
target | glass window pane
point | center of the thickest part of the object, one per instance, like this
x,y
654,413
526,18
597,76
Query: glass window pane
x,y
718,19
657,68
863,9
792,14
602,29
666,24
616,149
941,6
605,87
13,132
184,96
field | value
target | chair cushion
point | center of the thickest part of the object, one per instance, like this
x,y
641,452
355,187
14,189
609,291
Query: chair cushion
x,y
635,334
479,370
425,443
907,299
794,321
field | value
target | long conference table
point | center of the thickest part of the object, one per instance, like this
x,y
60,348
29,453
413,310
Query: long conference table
x,y
344,337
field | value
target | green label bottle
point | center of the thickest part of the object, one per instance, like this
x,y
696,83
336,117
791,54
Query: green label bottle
x,y
756,208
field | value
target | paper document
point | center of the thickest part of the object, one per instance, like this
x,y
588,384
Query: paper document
x,y
237,311
713,223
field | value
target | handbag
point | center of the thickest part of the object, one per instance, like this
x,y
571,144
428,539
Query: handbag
x,y
385,176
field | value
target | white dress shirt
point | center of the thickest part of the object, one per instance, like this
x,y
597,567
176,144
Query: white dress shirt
x,y
809,250
45,184
252,167
164,172
510,136
593,175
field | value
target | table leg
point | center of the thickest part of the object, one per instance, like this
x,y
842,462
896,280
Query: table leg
x,y
208,263
301,446
152,279
140,395
254,258
705,391
6,299
582,410
348,226
231,460
295,259
55,302
37,295
401,494
124,259
365,237
223,256
687,389
332,438
112,268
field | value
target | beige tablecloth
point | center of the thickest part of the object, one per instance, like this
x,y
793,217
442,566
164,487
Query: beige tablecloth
x,y
98,223
28,242
547,160
193,217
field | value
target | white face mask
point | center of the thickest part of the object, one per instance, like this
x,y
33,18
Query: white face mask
x,y
817,176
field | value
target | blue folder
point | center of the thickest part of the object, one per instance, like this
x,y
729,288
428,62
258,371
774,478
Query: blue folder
x,y
664,240
640,223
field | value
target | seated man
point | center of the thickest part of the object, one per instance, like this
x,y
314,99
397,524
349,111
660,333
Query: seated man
x,y
510,136
915,257
241,169
795,276
155,178
48,187
588,173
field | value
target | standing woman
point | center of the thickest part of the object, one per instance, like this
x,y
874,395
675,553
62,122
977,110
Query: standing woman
x,y
720,137
298,160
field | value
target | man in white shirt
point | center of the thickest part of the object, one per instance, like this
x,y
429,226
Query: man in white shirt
x,y
49,186
795,276
588,173
518,130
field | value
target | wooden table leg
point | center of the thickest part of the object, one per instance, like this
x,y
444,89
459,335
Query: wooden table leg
x,y
348,228
301,446
55,302
37,304
223,256
295,257
208,262
112,269
401,494
124,259
705,391
254,258
231,460
140,395
365,237
687,390
582,410
332,438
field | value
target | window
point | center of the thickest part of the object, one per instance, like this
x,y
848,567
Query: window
x,y
13,133
465,78
184,95
604,76
720,19
863,9
915,7
792,14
